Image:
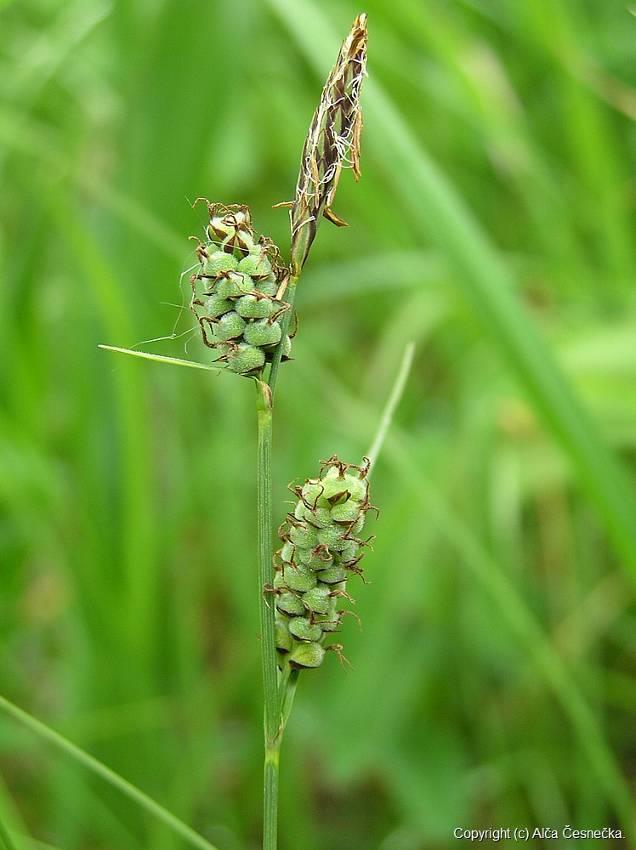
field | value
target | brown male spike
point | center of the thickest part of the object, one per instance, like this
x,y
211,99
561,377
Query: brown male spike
x,y
332,143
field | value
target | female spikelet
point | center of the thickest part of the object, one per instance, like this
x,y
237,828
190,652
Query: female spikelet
x,y
321,549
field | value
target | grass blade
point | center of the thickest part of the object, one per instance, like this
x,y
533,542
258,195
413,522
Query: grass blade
x,y
161,358
99,769
392,402
6,842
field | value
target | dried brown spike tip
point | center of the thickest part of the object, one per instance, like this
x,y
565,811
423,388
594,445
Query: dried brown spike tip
x,y
332,143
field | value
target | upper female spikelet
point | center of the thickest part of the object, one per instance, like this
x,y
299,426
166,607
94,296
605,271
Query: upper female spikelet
x,y
235,292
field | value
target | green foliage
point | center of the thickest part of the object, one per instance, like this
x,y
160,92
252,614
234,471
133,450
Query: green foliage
x,y
493,680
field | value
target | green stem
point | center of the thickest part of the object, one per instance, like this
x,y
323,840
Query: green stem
x,y
268,639
270,796
278,699
286,692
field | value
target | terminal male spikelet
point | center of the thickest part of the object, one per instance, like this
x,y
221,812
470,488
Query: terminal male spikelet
x,y
321,549
235,292
332,143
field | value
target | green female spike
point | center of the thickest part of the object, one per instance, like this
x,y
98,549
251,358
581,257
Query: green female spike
x,y
235,293
318,556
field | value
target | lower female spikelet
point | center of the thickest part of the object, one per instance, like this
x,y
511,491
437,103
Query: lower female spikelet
x,y
320,550
235,292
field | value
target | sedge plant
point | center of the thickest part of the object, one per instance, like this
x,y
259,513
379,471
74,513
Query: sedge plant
x,y
243,297
243,300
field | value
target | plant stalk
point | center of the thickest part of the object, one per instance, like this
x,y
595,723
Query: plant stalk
x,y
271,719
278,699
270,796
286,693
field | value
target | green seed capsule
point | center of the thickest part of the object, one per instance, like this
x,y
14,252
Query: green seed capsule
x,y
289,603
251,307
279,580
332,537
358,488
303,629
320,517
349,552
316,558
317,599
303,556
287,347
301,578
335,490
263,332
348,511
267,287
234,284
312,492
330,621
284,642
219,262
338,545
256,264
287,552
304,536
358,525
245,359
332,575
232,227
229,326
216,306
307,655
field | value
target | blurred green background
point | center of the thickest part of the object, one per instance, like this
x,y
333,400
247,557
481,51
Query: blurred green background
x,y
493,682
